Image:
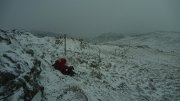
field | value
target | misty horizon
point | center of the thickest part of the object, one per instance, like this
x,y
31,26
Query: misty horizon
x,y
91,17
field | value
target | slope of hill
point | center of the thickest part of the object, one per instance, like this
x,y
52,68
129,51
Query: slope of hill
x,y
105,37
44,34
133,72
161,40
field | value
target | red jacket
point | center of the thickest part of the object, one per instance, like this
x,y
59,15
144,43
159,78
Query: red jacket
x,y
61,65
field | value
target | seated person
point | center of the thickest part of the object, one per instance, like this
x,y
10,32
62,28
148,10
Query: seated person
x,y
61,65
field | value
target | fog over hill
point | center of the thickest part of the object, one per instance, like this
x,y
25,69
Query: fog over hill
x,y
162,40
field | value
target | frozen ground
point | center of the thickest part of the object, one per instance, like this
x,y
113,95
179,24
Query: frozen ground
x,y
135,68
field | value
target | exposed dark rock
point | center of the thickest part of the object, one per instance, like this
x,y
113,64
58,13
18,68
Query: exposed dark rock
x,y
30,51
8,41
5,77
9,58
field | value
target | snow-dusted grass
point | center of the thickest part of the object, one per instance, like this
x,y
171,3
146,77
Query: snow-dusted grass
x,y
127,71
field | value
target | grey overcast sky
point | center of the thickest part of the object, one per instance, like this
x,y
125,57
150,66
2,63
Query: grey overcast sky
x,y
91,16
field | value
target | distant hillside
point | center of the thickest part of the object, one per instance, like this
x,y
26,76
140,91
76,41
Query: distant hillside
x,y
104,37
162,40
44,33
69,35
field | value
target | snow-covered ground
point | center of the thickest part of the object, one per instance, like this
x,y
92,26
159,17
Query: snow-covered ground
x,y
135,68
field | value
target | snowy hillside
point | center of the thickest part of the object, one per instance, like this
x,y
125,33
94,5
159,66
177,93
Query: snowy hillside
x,y
161,40
131,69
105,37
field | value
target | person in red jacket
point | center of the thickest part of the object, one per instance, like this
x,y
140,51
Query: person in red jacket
x,y
62,66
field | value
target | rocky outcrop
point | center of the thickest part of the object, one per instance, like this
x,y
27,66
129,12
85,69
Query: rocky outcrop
x,y
17,73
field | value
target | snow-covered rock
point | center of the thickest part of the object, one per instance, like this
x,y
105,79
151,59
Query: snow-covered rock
x,y
114,71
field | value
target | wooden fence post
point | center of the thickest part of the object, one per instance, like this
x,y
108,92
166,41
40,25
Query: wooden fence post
x,y
65,44
99,55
